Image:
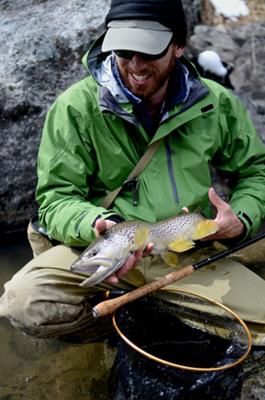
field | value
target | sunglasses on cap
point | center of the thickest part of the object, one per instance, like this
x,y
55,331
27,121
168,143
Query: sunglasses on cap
x,y
129,54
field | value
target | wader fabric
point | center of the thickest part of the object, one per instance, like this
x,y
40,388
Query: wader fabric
x,y
38,243
44,298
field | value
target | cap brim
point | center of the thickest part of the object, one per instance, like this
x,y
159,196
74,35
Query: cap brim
x,y
142,40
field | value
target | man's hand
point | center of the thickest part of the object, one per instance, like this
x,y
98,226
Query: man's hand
x,y
229,224
101,226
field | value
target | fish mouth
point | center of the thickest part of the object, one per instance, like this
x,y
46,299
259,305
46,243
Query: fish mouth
x,y
91,265
101,273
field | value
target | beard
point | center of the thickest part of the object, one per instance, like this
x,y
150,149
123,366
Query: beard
x,y
157,79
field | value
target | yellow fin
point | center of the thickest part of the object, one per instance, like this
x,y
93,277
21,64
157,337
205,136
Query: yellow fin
x,y
170,258
180,245
204,228
141,237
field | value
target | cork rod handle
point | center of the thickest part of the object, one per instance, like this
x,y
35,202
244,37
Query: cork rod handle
x,y
109,306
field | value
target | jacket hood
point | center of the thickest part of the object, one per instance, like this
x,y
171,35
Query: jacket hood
x,y
99,65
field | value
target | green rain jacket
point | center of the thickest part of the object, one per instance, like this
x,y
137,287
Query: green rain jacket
x,y
92,140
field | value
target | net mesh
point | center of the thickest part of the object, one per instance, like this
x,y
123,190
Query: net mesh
x,y
180,329
185,329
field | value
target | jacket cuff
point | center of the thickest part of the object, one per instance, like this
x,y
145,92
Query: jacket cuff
x,y
105,215
248,224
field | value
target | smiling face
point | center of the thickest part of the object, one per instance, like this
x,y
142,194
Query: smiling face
x,y
148,79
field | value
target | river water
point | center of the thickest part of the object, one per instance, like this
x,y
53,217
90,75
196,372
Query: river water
x,y
34,369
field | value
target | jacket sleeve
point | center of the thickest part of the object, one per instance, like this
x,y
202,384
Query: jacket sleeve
x,y
242,156
66,165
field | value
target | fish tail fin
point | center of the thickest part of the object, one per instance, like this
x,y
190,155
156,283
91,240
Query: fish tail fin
x,y
141,237
204,228
181,244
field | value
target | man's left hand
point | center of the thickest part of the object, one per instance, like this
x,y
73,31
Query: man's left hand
x,y
229,224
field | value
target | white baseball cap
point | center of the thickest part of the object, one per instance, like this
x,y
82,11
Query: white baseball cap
x,y
142,36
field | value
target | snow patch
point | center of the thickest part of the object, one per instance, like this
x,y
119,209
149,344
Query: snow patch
x,y
210,61
230,9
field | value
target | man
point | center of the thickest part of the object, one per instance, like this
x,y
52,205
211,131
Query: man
x,y
139,89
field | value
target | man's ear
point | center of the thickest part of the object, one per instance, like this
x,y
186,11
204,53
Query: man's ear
x,y
179,51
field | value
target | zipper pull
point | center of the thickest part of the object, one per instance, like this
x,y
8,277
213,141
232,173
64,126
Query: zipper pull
x,y
135,192
132,185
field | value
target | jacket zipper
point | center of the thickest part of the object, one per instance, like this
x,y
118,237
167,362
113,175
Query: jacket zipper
x,y
170,170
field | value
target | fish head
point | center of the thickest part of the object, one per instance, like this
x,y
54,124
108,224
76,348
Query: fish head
x,y
102,258
110,251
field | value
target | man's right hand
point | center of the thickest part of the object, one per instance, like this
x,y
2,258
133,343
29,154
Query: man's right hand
x,y
101,226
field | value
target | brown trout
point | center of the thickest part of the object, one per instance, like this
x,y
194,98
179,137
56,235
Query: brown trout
x,y
109,251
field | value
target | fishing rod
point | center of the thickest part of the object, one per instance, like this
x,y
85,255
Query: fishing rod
x,y
109,306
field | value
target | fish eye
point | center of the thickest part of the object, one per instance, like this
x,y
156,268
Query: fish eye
x,y
93,252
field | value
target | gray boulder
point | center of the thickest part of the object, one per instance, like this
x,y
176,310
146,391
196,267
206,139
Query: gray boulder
x,y
41,45
242,49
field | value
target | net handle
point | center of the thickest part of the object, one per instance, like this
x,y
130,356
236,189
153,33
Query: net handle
x,y
109,306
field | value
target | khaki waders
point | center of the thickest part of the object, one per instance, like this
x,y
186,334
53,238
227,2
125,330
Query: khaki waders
x,y
44,298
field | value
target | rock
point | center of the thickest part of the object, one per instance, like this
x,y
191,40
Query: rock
x,y
216,12
41,45
213,38
242,49
208,14
249,71
192,10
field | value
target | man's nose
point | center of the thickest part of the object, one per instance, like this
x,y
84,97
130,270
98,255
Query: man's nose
x,y
137,60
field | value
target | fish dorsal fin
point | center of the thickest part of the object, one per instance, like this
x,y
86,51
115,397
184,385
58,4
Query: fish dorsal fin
x,y
181,244
204,228
141,237
170,258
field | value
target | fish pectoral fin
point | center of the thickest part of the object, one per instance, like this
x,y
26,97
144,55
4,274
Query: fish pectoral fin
x,y
204,228
170,258
181,244
140,237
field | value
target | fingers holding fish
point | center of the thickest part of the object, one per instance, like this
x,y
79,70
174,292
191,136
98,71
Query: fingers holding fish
x,y
132,261
129,264
118,249
101,225
185,210
229,225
